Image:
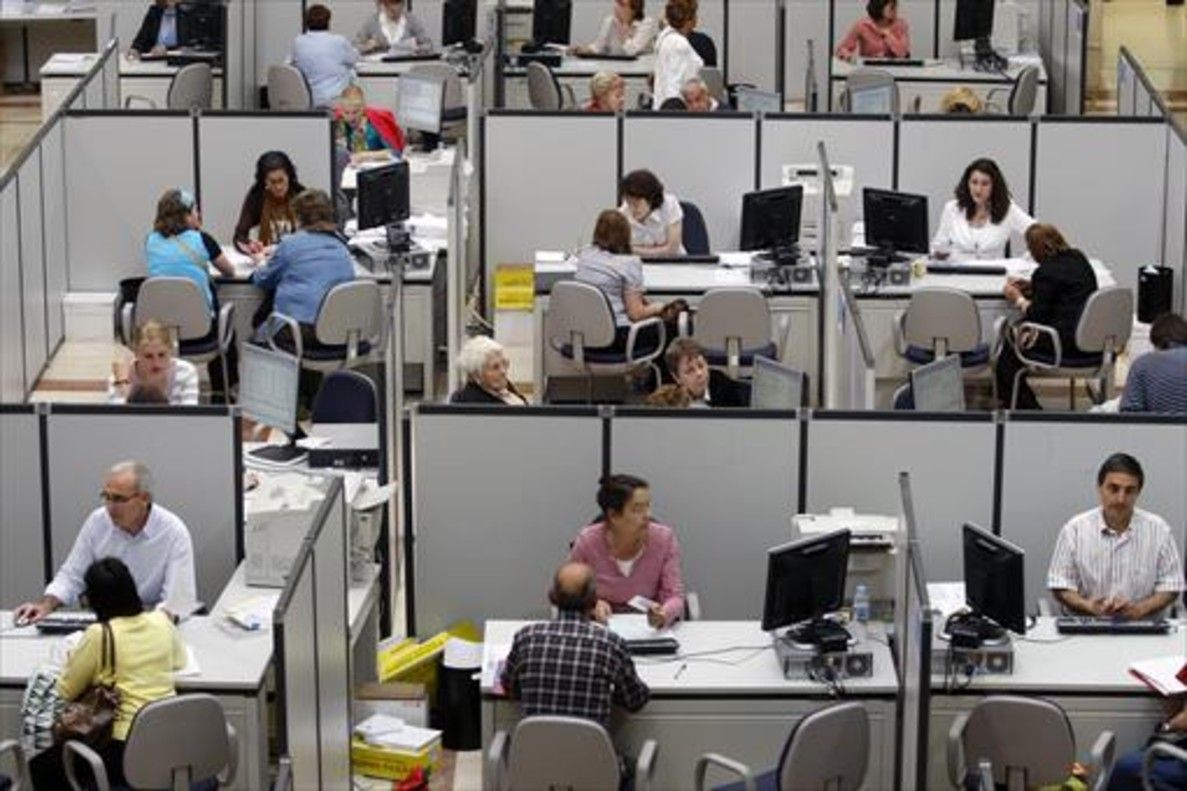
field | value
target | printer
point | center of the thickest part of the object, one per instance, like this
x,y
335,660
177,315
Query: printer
x,y
873,550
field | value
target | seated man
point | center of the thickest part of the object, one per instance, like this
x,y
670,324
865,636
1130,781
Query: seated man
x,y
706,386
1116,560
697,98
1157,381
151,541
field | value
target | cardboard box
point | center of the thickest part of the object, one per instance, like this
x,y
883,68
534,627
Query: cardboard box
x,y
409,702
393,764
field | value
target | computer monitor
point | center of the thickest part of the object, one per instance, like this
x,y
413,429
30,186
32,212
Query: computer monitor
x,y
805,582
994,583
894,222
200,24
551,20
420,100
459,20
974,20
771,218
874,100
775,386
753,100
383,195
268,386
938,386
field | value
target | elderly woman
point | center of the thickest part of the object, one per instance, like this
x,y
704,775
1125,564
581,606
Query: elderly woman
x,y
153,366
483,364
607,92
392,27
631,555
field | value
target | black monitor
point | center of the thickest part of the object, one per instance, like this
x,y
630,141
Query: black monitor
x,y
994,584
383,195
458,21
974,20
551,20
895,222
805,582
771,218
200,24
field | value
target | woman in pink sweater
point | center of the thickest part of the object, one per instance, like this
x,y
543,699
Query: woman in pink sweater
x,y
880,34
630,554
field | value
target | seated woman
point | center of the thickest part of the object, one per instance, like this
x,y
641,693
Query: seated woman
x,y
657,221
1055,296
178,247
624,32
630,554
366,131
1157,381
393,27
158,32
978,223
483,365
882,33
676,62
961,100
153,366
607,92
266,208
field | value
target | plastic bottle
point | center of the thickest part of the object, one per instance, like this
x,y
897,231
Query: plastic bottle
x,y
861,604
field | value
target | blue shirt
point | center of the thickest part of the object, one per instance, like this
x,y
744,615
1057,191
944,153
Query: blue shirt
x,y
183,255
1157,382
302,270
167,32
327,61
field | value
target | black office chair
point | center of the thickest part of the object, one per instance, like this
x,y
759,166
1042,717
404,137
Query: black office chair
x,y
695,233
703,45
674,103
346,397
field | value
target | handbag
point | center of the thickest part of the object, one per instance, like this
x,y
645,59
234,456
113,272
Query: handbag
x,y
90,718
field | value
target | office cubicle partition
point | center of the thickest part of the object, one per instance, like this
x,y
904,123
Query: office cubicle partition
x,y
23,567
915,673
1063,45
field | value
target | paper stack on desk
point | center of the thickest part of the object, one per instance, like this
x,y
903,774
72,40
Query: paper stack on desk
x,y
383,730
1166,675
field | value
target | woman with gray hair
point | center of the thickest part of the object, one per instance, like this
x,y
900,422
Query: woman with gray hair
x,y
484,365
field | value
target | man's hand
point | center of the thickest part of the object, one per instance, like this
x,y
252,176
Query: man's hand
x,y
602,611
32,612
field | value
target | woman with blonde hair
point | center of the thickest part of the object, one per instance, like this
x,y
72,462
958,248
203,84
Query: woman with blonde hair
x,y
153,365
607,92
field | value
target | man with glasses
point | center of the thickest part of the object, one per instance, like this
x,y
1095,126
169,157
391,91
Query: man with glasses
x,y
152,542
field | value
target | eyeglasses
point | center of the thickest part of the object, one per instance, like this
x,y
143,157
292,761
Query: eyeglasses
x,y
113,497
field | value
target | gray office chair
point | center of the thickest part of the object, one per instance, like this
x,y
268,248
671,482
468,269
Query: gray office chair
x,y
733,325
172,743
865,79
563,753
581,328
544,90
284,775
1023,94
1101,334
288,89
828,749
1028,741
453,108
714,80
350,326
191,87
940,321
13,767
1153,753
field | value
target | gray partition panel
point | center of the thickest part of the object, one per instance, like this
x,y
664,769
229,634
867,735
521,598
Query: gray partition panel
x,y
714,182
22,547
752,42
1111,210
299,636
1039,496
587,19
1057,64
1075,52
347,16
92,95
228,146
117,167
1127,88
728,485
333,643
1174,252
12,352
854,460
276,24
500,494
933,153
710,20
32,266
804,21
430,13
192,453
53,189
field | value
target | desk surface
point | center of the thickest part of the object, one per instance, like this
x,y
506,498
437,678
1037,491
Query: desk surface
x,y
978,286
20,11
676,278
946,70
641,66
75,65
751,669
244,266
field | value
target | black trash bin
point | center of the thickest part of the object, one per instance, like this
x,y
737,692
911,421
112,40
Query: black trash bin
x,y
1155,292
458,701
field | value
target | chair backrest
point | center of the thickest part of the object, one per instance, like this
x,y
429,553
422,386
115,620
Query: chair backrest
x,y
176,302
187,732
869,83
192,86
12,762
1107,320
589,762
740,315
829,748
695,235
715,81
353,308
582,310
942,316
1018,735
346,397
454,97
702,44
543,91
287,88
1025,91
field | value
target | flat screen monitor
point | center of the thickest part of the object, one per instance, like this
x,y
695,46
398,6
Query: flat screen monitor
x,y
938,386
200,24
805,580
775,386
994,583
753,100
771,218
458,21
420,100
551,20
875,100
974,20
383,195
895,222
268,387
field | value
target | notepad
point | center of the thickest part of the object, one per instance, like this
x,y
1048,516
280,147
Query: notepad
x,y
192,668
1165,675
630,627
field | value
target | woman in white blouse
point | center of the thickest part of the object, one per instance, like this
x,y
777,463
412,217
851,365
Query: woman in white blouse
x,y
624,32
978,224
153,366
676,62
657,221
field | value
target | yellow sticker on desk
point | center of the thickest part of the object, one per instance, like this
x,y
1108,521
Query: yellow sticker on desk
x,y
515,287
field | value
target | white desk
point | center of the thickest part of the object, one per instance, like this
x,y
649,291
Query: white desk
x,y
1084,674
47,27
930,82
148,79
744,710
576,73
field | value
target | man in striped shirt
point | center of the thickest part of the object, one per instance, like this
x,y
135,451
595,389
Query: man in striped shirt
x,y
1116,560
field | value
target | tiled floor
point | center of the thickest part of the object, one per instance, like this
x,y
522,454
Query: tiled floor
x,y
20,115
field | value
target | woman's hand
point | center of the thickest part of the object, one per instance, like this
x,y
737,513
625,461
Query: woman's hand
x,y
602,611
1011,290
656,616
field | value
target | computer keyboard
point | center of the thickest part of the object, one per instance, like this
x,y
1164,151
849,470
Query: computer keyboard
x,y
65,622
653,646
893,62
1075,624
966,269
681,259
411,57
605,56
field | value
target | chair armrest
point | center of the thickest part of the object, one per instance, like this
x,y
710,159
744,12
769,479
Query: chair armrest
x,y
134,97
956,750
682,324
897,326
645,766
18,759
496,757
227,776
1157,750
1103,756
692,605
1045,609
1044,330
569,100
274,324
729,765
226,325
633,335
73,751
127,328
1000,328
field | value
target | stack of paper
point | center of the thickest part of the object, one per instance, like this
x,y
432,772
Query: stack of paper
x,y
253,613
382,730
1165,675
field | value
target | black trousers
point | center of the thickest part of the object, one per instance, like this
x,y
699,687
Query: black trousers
x,y
1008,365
48,770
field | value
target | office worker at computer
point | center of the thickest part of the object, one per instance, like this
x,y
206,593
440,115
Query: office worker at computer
x,y
392,27
158,32
630,554
676,62
607,92
483,365
626,31
151,540
1157,381
326,59
706,387
657,221
1116,560
881,33
153,366
267,206
1054,296
366,131
979,221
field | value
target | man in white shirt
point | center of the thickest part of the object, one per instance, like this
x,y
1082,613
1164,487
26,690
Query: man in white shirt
x,y
151,541
1116,560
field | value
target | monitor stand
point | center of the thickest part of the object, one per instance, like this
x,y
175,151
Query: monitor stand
x,y
783,255
819,634
987,59
976,627
884,257
284,455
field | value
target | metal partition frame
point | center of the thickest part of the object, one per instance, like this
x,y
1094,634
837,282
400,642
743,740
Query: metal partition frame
x,y
1174,250
1075,71
23,565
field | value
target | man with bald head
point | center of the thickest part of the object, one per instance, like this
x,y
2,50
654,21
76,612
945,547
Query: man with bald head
x,y
572,666
151,541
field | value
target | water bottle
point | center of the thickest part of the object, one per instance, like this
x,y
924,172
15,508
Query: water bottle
x,y
861,604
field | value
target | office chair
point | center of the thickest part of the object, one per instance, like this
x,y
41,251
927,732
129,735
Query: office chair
x,y
19,779
673,104
529,757
350,324
733,325
1153,753
346,397
453,107
715,81
694,233
288,89
192,86
702,44
828,749
544,90
1023,94
862,80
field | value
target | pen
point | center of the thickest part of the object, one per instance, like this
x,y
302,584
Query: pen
x,y
683,667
